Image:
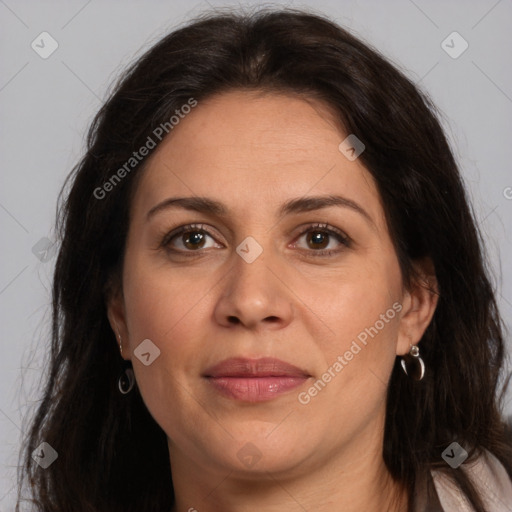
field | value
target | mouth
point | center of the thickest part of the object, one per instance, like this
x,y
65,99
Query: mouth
x,y
254,380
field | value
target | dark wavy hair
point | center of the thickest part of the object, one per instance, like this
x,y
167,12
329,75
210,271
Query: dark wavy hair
x,y
113,456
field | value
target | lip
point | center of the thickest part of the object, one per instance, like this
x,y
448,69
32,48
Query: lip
x,y
254,380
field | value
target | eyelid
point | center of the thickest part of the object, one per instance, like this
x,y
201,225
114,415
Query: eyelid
x,y
344,239
193,226
322,226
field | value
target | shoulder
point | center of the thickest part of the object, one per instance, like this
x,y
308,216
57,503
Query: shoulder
x,y
491,479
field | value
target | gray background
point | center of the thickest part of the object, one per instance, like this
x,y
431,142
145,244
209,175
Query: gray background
x,y
47,104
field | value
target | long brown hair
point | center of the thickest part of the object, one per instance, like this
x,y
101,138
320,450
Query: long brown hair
x,y
112,454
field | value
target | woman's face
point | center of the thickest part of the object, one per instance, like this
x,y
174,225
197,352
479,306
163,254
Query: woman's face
x,y
278,269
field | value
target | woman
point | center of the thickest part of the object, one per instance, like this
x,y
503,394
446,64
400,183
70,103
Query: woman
x,y
270,293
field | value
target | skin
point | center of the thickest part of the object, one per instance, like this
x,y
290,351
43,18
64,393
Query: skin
x,y
252,152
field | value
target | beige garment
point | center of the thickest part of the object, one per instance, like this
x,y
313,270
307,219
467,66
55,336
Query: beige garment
x,y
492,480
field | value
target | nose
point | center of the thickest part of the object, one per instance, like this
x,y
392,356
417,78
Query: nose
x,y
255,295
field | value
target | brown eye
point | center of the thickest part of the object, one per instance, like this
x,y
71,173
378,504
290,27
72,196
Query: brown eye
x,y
193,239
317,239
323,240
188,239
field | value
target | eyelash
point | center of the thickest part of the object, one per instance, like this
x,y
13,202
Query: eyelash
x,y
192,228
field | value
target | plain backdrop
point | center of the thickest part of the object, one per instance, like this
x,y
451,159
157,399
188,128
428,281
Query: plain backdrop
x,y
46,105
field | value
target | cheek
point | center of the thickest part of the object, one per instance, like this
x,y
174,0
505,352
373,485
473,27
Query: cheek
x,y
355,300
160,302
158,309
352,390
359,318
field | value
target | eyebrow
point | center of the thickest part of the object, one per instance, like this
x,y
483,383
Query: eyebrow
x,y
299,205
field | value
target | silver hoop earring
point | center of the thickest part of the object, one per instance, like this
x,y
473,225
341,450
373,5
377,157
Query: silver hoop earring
x,y
126,381
413,364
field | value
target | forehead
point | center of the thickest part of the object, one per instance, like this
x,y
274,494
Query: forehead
x,y
255,149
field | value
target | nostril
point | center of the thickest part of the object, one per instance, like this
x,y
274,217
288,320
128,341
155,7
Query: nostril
x,y
233,320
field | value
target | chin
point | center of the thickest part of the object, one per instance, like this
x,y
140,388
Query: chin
x,y
253,452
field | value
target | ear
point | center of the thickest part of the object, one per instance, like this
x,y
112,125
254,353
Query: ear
x,y
116,313
419,304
